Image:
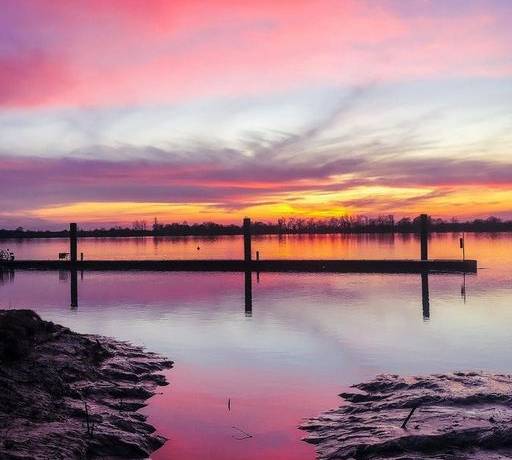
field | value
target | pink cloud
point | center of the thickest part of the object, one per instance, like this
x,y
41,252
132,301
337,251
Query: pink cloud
x,y
31,79
103,53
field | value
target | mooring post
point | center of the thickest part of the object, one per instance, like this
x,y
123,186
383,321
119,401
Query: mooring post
x,y
247,240
424,236
72,243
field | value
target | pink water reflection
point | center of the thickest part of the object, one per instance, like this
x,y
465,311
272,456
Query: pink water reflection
x,y
201,425
309,336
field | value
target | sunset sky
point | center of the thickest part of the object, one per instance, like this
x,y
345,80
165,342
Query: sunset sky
x,y
112,111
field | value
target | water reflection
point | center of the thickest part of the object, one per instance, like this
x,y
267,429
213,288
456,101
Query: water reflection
x,y
72,276
290,359
74,289
425,296
248,294
463,288
362,246
6,276
309,336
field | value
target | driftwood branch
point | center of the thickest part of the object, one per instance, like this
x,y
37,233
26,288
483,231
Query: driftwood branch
x,y
409,416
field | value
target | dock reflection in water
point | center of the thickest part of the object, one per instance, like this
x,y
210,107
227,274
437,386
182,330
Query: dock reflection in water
x,y
248,293
72,275
425,296
7,276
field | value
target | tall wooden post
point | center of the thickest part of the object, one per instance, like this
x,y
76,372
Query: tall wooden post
x,y
424,236
247,240
72,243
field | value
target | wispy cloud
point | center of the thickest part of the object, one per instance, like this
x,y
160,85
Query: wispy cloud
x,y
230,179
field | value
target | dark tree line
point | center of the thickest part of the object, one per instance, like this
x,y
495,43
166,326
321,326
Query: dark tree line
x,y
292,225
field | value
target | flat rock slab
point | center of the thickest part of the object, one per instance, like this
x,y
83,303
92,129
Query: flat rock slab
x,y
456,416
65,395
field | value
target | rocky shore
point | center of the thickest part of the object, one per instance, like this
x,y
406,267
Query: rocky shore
x,y
447,416
65,395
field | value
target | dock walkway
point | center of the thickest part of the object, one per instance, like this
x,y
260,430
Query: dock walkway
x,y
275,265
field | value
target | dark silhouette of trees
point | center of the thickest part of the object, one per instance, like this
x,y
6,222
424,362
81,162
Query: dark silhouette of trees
x,y
291,225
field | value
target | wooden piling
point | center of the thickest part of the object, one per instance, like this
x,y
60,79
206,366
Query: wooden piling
x,y
247,240
424,236
73,243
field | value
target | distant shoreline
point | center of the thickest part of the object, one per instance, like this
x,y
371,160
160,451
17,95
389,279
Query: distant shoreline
x,y
8,235
283,226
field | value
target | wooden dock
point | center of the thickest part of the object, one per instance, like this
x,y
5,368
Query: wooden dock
x,y
276,265
248,264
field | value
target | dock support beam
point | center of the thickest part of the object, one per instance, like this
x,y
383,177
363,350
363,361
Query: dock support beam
x,y
247,241
72,243
424,236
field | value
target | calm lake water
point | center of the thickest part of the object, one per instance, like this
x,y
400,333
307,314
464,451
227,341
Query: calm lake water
x,y
304,339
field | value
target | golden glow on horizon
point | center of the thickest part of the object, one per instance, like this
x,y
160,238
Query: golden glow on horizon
x,y
373,200
122,211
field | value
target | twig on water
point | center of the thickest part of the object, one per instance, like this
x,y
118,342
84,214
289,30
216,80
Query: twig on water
x,y
409,416
244,433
